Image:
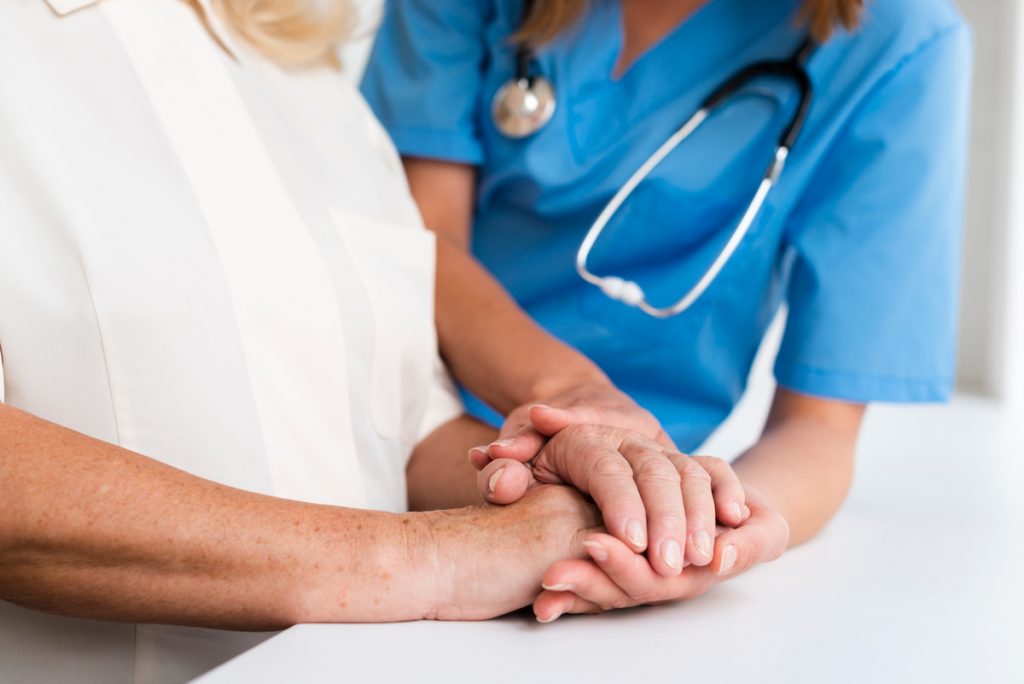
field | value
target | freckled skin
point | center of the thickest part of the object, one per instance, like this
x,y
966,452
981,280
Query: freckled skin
x,y
163,546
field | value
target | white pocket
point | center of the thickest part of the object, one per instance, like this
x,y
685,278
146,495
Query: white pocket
x,y
396,264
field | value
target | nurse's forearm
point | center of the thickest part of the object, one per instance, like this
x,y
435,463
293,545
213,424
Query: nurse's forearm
x,y
492,346
445,193
803,463
92,530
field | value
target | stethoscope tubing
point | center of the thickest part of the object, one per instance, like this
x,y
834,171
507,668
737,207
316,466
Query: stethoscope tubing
x,y
630,292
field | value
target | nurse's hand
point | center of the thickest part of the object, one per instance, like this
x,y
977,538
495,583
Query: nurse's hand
x,y
616,577
528,428
652,498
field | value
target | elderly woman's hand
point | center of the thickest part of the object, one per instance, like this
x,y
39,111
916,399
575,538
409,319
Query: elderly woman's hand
x,y
616,577
652,498
528,428
489,560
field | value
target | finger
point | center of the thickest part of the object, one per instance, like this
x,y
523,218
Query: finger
x,y
634,576
763,537
549,420
479,457
608,477
658,481
503,481
586,583
700,509
551,605
521,445
627,571
730,499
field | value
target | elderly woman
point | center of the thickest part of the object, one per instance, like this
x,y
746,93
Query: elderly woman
x,y
219,362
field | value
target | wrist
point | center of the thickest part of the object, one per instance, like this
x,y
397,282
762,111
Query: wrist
x,y
368,567
487,561
427,546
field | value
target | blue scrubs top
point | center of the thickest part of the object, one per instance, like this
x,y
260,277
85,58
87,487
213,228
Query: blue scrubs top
x,y
861,238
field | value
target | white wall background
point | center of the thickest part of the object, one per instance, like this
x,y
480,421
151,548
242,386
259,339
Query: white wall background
x,y
992,306
992,298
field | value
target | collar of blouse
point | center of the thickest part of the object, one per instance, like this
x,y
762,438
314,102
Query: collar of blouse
x,y
212,19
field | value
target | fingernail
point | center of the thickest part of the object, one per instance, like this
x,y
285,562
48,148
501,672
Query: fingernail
x,y
541,406
596,551
702,542
673,554
503,443
551,618
478,450
737,512
746,512
636,534
558,587
493,482
728,560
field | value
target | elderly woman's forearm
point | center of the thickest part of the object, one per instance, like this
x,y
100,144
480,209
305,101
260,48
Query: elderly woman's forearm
x,y
93,530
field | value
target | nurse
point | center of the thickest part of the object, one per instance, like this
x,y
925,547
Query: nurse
x,y
859,239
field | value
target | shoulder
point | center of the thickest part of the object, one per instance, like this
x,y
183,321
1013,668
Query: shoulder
x,y
901,48
893,31
906,18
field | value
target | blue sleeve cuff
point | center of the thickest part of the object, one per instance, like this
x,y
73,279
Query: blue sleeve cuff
x,y
860,388
428,144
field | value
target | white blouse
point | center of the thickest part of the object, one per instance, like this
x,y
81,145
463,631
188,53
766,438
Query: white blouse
x,y
208,260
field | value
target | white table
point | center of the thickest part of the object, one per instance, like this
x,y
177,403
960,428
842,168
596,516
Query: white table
x,y
918,579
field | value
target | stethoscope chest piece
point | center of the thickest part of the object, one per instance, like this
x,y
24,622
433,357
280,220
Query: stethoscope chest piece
x,y
523,106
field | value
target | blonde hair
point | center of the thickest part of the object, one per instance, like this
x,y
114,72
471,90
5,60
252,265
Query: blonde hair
x,y
291,33
548,18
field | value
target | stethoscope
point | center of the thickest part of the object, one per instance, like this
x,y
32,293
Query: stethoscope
x,y
526,103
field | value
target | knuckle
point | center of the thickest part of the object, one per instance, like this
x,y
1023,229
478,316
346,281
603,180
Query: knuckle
x,y
659,469
642,440
578,430
588,431
695,472
712,464
641,594
611,466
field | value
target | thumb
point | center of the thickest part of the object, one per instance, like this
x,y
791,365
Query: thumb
x,y
520,444
504,481
549,421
